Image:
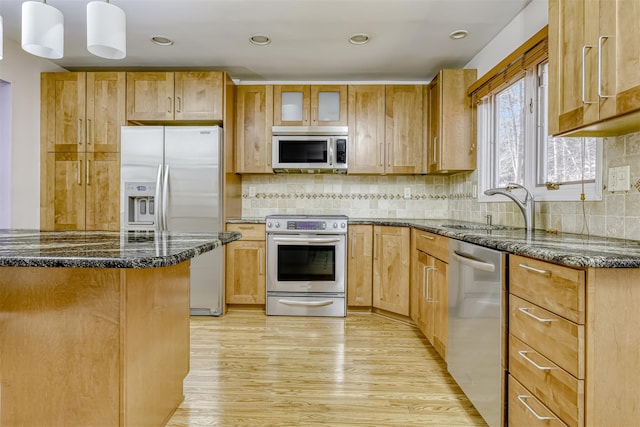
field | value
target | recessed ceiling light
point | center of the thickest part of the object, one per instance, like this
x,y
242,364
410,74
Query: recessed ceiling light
x,y
161,41
259,40
360,38
458,34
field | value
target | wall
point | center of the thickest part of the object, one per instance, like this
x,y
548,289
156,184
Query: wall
x,y
354,196
22,71
616,215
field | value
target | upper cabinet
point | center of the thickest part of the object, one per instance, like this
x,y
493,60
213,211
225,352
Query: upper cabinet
x,y
365,150
167,96
305,105
594,52
404,151
254,120
451,140
82,112
386,129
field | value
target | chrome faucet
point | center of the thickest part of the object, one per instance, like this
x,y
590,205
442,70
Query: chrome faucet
x,y
527,206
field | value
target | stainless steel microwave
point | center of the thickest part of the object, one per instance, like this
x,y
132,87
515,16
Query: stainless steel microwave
x,y
309,149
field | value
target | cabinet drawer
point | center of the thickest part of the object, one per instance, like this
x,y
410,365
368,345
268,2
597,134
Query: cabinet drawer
x,y
556,288
433,244
525,410
561,392
249,231
553,336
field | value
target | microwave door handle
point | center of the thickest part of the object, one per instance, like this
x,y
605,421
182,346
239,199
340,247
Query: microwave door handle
x,y
306,240
330,142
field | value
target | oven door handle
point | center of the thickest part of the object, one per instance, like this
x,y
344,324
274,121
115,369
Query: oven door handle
x,y
306,240
305,303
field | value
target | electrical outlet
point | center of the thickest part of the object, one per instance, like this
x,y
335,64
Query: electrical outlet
x,y
407,192
619,179
252,191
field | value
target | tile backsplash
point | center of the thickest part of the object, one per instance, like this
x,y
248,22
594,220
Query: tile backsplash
x,y
454,197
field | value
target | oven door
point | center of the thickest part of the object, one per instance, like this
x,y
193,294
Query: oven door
x,y
306,263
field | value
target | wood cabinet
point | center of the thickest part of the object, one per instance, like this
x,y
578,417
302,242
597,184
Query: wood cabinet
x,y
310,105
360,266
254,120
81,116
404,145
429,286
167,96
391,269
572,344
451,145
365,150
594,84
245,278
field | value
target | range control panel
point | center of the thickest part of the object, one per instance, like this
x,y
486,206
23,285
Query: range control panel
x,y
316,224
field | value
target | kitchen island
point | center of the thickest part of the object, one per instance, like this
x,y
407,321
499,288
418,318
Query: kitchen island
x,y
94,326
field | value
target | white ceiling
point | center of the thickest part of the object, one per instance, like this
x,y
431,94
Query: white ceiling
x,y
409,38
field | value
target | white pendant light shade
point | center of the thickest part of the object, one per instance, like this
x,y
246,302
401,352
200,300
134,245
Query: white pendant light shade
x,y
42,30
106,30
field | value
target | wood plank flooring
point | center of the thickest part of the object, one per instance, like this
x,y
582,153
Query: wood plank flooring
x,y
248,369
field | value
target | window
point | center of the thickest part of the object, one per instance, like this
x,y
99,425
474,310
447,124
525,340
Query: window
x,y
514,145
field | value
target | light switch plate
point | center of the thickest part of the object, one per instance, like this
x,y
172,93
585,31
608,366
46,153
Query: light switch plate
x,y
619,179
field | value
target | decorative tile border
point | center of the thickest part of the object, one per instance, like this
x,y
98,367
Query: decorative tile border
x,y
343,196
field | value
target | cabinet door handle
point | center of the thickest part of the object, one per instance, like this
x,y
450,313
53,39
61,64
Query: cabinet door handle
x,y
87,173
375,246
178,104
524,353
79,131
260,271
353,245
314,114
522,398
89,131
389,154
168,104
601,39
305,115
584,53
525,310
427,269
535,270
435,149
424,236
79,172
381,154
269,154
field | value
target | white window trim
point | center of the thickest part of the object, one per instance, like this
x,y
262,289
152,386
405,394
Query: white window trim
x,y
486,168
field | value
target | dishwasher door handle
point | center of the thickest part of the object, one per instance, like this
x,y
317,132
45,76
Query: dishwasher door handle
x,y
473,262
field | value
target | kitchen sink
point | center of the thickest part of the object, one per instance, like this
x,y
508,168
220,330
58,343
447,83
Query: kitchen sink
x,y
472,227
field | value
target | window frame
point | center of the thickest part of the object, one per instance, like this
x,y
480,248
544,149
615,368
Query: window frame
x,y
487,170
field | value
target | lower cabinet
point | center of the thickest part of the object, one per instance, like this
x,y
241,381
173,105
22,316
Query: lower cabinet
x,y
360,266
429,287
80,191
245,274
391,269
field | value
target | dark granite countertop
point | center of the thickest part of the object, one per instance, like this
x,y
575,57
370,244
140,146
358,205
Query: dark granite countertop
x,y
104,249
575,250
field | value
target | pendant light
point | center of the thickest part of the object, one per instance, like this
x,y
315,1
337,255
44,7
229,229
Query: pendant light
x,y
42,30
106,30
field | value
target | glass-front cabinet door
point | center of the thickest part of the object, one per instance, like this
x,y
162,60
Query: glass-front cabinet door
x,y
315,105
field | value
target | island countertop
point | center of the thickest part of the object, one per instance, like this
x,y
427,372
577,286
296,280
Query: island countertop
x,y
105,249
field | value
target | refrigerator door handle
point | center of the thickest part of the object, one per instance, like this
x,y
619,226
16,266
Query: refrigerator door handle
x,y
165,198
158,201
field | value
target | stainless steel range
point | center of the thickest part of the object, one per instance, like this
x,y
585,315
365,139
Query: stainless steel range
x,y
306,265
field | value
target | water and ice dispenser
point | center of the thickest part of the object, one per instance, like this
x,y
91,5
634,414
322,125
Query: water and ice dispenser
x,y
140,205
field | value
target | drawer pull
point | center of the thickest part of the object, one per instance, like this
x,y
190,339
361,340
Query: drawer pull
x,y
424,236
535,270
245,227
525,310
522,398
523,354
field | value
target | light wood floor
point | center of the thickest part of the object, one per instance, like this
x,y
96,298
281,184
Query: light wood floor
x,y
248,369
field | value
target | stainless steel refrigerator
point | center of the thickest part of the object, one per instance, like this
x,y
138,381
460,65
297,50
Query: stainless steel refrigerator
x,y
171,179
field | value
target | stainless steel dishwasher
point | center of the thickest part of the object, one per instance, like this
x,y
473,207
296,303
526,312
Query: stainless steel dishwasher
x,y
476,341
